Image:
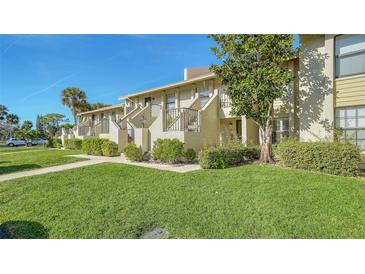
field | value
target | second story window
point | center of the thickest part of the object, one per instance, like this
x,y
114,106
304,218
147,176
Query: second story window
x,y
170,101
350,54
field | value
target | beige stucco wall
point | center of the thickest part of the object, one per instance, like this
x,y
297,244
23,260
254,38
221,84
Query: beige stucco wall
x,y
350,91
316,76
228,130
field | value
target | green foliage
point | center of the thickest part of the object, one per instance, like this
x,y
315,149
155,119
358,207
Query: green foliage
x,y
51,123
73,143
27,125
53,143
132,152
231,154
327,157
109,148
74,98
254,74
27,134
92,146
168,150
190,155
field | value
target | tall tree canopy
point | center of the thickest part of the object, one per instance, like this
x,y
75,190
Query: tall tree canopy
x,y
3,112
12,121
74,98
253,71
27,124
51,123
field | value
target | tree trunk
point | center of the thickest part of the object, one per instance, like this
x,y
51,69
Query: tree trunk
x,y
266,145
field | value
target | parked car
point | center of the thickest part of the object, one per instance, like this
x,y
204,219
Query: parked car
x,y
17,142
39,141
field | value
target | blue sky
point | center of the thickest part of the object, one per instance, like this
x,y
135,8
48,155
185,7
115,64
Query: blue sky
x,y
35,68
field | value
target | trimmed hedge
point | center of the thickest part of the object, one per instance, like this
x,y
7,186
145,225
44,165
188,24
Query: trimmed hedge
x,y
168,150
327,157
73,143
190,155
227,155
92,146
109,148
132,152
53,143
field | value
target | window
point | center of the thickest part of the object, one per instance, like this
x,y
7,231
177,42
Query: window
x,y
204,96
351,122
280,130
170,101
350,54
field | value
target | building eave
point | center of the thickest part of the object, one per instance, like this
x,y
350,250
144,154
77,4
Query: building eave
x,y
170,86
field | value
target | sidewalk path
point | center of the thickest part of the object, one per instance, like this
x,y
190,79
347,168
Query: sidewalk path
x,y
182,168
98,160
45,170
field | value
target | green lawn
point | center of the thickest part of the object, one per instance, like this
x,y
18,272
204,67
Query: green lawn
x,y
20,148
35,159
121,201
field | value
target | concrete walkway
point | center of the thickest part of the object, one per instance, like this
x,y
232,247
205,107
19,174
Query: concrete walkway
x,y
92,160
21,174
181,168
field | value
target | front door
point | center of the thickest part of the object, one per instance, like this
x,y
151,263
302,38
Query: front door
x,y
239,129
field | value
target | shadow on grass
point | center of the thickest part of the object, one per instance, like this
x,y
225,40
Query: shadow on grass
x,y
15,168
23,230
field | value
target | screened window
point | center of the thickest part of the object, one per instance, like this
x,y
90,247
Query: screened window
x,y
351,122
170,101
350,54
280,130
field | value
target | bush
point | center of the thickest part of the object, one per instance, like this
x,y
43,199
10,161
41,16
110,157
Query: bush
x,y
327,157
168,150
132,152
109,148
53,143
92,145
190,155
73,143
227,155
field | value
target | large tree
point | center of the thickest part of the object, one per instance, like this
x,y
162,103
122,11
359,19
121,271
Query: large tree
x,y
252,69
12,121
3,112
27,124
74,98
51,123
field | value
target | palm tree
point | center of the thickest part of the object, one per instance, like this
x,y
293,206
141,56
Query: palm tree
x,y
3,112
11,120
73,97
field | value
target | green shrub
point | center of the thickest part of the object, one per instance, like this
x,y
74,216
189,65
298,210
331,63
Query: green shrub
x,y
53,143
227,155
92,145
73,143
327,157
168,150
109,148
132,152
190,155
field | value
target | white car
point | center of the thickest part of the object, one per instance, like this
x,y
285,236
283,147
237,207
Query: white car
x,y
16,142
39,141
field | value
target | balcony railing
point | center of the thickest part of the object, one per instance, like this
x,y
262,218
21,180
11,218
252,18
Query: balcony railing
x,y
225,101
182,119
